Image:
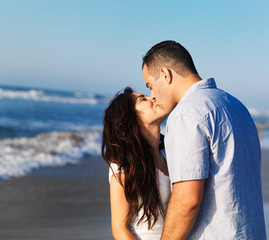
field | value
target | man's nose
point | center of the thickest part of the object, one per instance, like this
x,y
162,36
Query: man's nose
x,y
152,97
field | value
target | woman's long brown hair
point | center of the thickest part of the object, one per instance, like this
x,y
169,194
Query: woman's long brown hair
x,y
124,144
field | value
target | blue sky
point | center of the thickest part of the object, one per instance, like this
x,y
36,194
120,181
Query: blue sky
x,y
97,46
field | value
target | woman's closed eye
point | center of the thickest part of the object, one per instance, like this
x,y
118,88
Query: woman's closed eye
x,y
141,98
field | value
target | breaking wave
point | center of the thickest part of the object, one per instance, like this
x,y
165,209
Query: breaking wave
x,y
18,156
52,96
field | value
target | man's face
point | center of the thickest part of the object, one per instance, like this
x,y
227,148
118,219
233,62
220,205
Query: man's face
x,y
159,90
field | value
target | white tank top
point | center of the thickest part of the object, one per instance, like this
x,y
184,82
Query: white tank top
x,y
141,231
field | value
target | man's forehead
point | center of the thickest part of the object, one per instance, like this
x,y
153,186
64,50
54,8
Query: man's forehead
x,y
148,78
146,70
149,74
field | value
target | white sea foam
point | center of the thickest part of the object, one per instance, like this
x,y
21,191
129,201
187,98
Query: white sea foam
x,y
258,113
18,156
261,118
265,143
39,95
264,139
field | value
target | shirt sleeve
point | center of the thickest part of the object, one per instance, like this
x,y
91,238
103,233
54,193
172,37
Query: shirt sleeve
x,y
187,150
115,168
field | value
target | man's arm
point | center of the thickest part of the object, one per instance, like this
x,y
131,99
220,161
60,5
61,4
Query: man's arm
x,y
182,209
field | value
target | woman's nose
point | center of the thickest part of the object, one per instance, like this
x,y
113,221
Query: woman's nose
x,y
153,99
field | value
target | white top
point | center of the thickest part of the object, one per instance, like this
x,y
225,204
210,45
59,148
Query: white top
x,y
141,231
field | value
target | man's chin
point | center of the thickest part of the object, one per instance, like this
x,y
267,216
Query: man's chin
x,y
164,116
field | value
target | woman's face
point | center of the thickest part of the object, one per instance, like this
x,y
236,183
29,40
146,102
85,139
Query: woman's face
x,y
148,111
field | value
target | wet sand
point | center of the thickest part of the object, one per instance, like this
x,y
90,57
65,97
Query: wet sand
x,y
68,203
265,175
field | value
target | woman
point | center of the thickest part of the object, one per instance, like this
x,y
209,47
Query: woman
x,y
139,182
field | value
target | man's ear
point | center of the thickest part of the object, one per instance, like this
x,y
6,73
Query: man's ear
x,y
166,74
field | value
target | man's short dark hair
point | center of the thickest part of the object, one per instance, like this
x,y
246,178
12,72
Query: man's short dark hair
x,y
170,54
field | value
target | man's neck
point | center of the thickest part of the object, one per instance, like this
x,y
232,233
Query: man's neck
x,y
184,84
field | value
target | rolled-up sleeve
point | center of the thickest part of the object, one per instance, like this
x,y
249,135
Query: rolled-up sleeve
x,y
187,149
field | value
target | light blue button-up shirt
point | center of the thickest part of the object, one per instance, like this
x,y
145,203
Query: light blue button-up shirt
x,y
211,135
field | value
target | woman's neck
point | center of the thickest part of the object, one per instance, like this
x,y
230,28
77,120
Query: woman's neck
x,y
152,134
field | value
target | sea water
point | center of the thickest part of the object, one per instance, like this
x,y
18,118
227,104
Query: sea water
x,y
40,127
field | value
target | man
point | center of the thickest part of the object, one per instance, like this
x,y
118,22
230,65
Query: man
x,y
212,148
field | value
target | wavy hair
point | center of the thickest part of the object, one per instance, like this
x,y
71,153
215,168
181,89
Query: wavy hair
x,y
124,144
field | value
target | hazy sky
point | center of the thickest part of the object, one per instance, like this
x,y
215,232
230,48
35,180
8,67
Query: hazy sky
x,y
97,46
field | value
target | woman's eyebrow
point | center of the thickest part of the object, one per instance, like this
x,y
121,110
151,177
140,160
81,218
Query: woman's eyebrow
x,y
142,95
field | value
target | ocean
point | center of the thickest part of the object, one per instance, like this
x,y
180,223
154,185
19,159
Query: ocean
x,y
40,127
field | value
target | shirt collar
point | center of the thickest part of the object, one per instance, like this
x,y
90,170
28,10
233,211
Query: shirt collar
x,y
205,83
202,84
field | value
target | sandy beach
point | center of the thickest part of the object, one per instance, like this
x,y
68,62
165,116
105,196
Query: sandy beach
x,y
265,187
265,175
68,203
59,203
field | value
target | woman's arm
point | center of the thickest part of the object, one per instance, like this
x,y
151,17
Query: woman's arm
x,y
119,210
